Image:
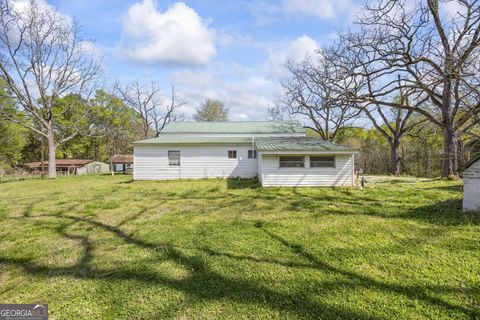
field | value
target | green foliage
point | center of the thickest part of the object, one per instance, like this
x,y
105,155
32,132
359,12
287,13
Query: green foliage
x,y
112,129
12,141
212,110
103,247
420,150
12,136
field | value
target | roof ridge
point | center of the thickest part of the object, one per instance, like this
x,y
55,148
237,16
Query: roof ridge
x,y
239,121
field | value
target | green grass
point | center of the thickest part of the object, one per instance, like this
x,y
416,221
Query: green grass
x,y
104,247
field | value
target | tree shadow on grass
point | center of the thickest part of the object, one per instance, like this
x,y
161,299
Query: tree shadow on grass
x,y
446,188
448,212
204,283
126,181
411,292
234,183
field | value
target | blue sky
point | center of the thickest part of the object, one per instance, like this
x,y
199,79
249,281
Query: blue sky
x,y
230,50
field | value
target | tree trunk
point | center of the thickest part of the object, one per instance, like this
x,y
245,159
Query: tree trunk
x,y
52,162
449,152
42,156
394,158
460,151
426,163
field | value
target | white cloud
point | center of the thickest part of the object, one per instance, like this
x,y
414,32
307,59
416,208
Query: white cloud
x,y
23,9
295,51
23,6
453,9
323,9
247,99
178,35
265,12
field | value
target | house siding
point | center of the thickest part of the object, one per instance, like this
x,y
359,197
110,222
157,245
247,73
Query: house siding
x,y
272,175
471,187
202,161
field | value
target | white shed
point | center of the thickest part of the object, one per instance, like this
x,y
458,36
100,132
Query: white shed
x,y
471,188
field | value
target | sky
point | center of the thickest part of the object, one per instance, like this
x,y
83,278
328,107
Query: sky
x,y
234,51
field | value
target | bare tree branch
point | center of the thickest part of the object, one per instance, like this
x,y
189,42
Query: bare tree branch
x,y
42,59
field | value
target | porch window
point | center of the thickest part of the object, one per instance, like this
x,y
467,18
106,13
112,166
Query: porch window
x,y
252,154
322,162
292,162
174,158
232,154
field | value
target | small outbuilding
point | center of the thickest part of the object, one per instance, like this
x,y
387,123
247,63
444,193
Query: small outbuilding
x,y
122,163
471,187
70,166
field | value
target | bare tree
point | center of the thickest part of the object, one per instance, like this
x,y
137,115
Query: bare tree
x,y
279,113
393,125
42,58
434,56
150,106
309,93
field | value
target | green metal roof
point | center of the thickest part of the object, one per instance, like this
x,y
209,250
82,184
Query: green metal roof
x,y
298,144
261,143
179,139
467,164
239,127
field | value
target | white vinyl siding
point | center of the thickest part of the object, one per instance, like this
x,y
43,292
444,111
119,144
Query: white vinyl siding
x,y
273,175
201,161
471,187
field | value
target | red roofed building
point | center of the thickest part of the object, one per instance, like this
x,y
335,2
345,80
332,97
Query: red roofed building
x,y
121,163
70,166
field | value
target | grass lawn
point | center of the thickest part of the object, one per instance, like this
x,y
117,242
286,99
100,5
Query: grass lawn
x,y
104,247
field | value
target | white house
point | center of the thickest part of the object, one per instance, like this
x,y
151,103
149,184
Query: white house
x,y
471,184
277,152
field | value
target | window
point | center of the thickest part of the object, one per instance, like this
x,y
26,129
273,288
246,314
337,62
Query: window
x,y
322,162
292,162
252,154
232,154
173,158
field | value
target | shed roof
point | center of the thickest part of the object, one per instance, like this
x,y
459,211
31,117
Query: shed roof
x,y
467,164
298,144
121,158
60,163
236,127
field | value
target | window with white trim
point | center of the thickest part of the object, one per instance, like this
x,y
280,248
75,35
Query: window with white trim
x,y
173,158
322,162
252,154
232,154
292,162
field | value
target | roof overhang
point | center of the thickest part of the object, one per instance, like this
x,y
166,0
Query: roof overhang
x,y
307,152
467,164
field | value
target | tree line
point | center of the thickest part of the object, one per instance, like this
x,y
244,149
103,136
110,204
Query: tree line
x,y
408,69
53,99
402,87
